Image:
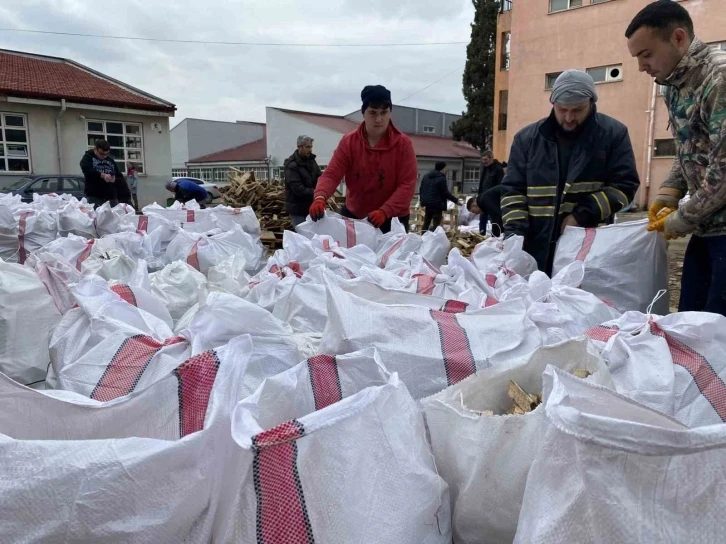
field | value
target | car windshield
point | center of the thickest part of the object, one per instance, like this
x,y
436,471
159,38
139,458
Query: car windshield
x,y
17,185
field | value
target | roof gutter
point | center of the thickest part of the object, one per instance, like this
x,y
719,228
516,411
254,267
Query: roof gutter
x,y
93,107
58,140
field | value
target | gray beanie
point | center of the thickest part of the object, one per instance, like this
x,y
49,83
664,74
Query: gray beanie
x,y
170,186
573,87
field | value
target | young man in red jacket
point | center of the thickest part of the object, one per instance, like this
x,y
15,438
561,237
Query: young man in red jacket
x,y
379,166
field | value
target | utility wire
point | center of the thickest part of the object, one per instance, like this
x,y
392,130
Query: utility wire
x,y
206,42
428,86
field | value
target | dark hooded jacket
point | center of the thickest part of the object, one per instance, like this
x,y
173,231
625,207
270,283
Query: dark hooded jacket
x,y
95,187
434,192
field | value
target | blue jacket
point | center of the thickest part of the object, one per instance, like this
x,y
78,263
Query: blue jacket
x,y
189,190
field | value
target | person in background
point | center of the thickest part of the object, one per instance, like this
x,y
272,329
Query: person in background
x,y
104,180
434,193
185,190
133,182
663,40
379,165
470,217
301,177
574,168
492,174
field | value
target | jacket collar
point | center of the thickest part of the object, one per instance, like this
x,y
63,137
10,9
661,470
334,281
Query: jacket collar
x,y
548,127
688,70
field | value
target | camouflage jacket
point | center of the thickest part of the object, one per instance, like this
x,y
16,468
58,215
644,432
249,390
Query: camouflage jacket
x,y
695,94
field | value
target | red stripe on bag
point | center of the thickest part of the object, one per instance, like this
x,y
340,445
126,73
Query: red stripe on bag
x,y
708,382
22,226
350,232
454,307
458,358
282,517
391,250
602,333
193,257
424,284
324,380
125,292
196,379
85,254
326,244
190,216
491,280
143,224
586,244
432,267
127,365
350,274
236,211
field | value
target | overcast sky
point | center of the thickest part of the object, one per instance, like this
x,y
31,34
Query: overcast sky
x,y
231,83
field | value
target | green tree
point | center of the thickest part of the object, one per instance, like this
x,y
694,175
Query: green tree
x,y
477,122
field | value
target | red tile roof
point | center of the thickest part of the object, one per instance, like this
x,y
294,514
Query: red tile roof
x,y
424,145
37,76
254,151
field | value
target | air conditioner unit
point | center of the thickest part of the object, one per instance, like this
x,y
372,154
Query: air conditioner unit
x,y
614,73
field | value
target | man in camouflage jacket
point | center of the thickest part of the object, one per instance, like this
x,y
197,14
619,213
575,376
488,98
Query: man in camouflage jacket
x,y
661,37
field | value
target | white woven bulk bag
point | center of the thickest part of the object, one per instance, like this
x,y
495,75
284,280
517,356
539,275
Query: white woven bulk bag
x,y
485,458
334,431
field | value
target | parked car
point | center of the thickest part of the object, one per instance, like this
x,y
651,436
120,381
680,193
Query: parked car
x,y
28,186
212,188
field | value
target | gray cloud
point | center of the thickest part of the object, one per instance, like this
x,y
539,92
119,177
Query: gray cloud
x,y
237,82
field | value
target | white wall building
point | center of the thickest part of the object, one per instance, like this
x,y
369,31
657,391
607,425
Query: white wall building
x,y
52,110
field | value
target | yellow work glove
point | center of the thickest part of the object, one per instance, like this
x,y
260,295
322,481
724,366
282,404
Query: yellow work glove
x,y
668,197
658,224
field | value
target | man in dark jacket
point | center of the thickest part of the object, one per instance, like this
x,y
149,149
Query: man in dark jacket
x,y
574,168
492,174
434,193
104,181
301,177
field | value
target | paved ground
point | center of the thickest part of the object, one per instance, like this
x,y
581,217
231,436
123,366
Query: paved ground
x,y
676,250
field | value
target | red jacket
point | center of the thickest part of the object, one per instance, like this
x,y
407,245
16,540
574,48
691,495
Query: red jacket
x,y
381,177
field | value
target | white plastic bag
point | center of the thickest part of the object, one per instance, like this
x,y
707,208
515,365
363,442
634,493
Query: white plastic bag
x,y
674,364
346,232
625,265
178,286
146,468
23,231
27,318
72,248
113,264
331,432
229,276
485,458
435,246
108,220
57,274
244,217
612,470
203,251
75,219
440,347
495,254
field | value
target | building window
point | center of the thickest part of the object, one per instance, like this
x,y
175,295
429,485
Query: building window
x,y
260,173
503,107
14,144
428,129
126,141
606,74
665,148
471,175
550,80
562,5
278,172
179,173
220,175
506,42
506,5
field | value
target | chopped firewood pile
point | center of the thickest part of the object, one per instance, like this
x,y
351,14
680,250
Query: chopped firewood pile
x,y
465,242
524,402
267,198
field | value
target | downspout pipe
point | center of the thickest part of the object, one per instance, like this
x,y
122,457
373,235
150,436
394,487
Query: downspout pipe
x,y
649,148
59,143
